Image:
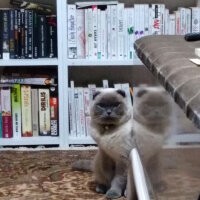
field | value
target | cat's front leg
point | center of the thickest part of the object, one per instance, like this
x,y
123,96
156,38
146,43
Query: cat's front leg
x,y
118,183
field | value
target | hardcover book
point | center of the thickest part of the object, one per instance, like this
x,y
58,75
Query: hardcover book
x,y
12,34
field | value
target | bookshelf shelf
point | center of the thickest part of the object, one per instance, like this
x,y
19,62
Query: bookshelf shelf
x,y
81,140
46,140
29,62
82,62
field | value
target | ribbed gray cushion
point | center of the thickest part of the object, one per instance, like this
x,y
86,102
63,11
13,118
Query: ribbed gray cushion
x,y
167,57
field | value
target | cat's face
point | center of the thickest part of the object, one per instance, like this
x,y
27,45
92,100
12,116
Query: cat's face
x,y
110,106
152,104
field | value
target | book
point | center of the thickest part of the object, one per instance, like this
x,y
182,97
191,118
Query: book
x,y
19,34
166,22
108,16
12,34
136,21
105,84
42,39
132,28
86,99
146,19
26,111
103,36
90,32
87,125
51,36
35,111
6,112
35,34
141,20
30,33
54,111
182,20
26,33
125,35
195,19
188,20
72,39
44,112
177,22
80,16
94,31
157,19
90,3
172,24
77,118
5,52
16,110
99,34
22,27
86,34
1,34
16,33
0,116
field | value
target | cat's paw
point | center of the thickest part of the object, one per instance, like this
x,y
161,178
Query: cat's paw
x,y
101,189
113,194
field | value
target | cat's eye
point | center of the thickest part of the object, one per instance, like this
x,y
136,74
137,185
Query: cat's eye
x,y
101,105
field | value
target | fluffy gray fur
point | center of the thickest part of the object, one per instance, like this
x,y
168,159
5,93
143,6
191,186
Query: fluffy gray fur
x,y
117,128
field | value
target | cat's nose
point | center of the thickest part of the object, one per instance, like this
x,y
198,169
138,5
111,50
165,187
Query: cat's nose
x,y
109,111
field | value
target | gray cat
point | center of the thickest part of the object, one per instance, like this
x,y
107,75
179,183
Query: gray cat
x,y
117,128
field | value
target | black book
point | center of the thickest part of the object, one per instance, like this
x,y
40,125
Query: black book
x,y
16,33
6,54
1,34
30,33
22,33
12,33
26,33
42,36
19,33
52,36
35,34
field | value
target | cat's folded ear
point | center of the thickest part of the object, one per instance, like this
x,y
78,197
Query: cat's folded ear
x,y
95,94
122,93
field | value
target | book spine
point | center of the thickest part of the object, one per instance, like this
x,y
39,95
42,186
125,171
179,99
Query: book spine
x,y
166,24
94,32
146,19
137,21
26,111
132,34
6,112
125,34
19,33
12,34
76,103
182,21
44,112
104,48
52,36
42,33
172,24
16,33
99,34
105,84
195,20
80,14
120,24
108,15
35,34
114,31
141,17
150,21
0,116
86,97
35,111
162,15
81,112
156,12
73,126
188,20
22,33
1,34
86,35
6,54
54,111
72,39
16,111
26,33
90,33
177,22
87,125
30,34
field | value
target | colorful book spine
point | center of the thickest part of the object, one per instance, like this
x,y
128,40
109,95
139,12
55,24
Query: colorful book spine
x,y
44,112
6,112
0,116
26,111
54,111
94,32
22,26
142,20
99,34
19,33
16,110
12,34
16,32
30,34
26,33
35,111
156,14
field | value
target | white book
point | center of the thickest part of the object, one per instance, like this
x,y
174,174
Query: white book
x,y
77,120
81,112
157,21
90,36
146,19
86,35
80,29
91,3
108,15
177,22
95,36
99,34
118,86
114,31
188,20
120,27
172,24
141,19
126,35
150,21
72,37
86,97
92,90
103,39
105,84
126,88
162,13
35,111
166,22
182,21
70,111
73,111
137,21
87,125
195,20
131,32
